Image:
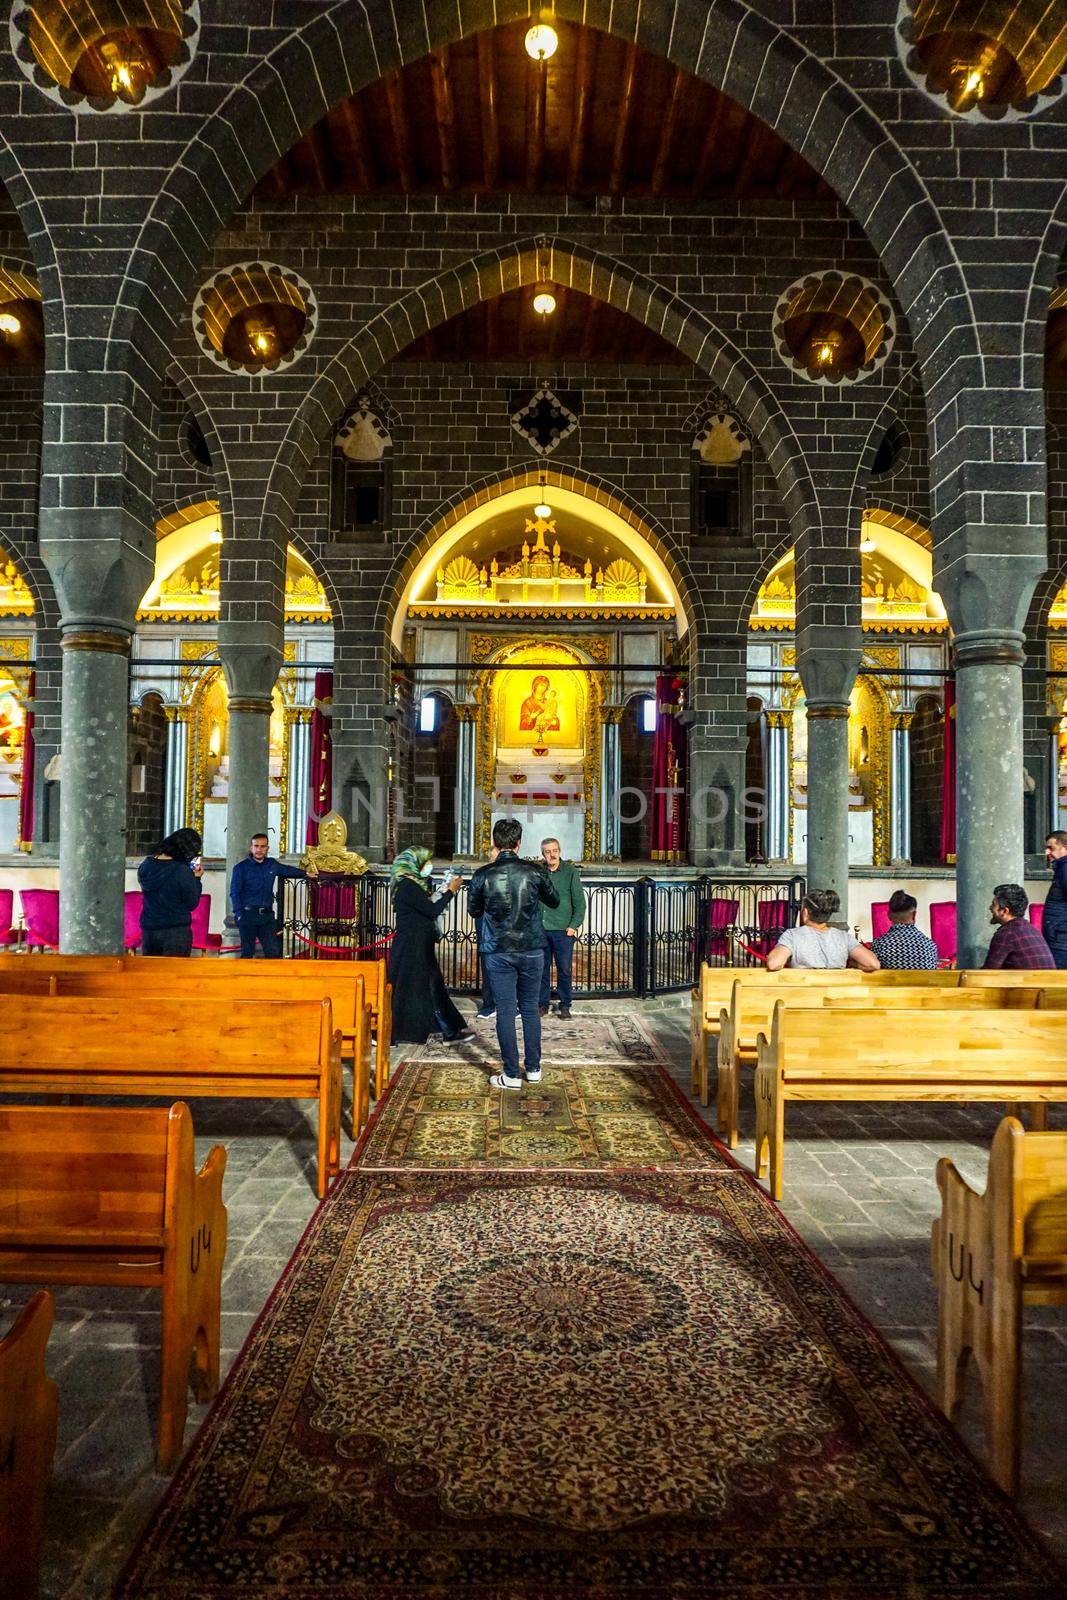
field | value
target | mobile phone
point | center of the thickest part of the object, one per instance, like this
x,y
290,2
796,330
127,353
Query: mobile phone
x,y
197,863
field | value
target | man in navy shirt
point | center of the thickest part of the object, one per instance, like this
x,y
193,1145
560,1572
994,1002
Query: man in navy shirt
x,y
252,897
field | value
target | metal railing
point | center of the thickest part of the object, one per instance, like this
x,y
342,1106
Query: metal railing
x,y
641,935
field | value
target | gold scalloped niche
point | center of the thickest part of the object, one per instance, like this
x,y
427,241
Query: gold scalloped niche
x,y
990,55
106,50
21,319
254,316
834,329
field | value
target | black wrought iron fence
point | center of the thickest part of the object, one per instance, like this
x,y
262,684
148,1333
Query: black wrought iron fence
x,y
641,935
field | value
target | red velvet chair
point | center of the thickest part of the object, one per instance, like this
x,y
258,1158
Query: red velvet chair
x,y
1037,914
40,913
202,939
722,913
880,922
8,934
772,916
131,925
943,930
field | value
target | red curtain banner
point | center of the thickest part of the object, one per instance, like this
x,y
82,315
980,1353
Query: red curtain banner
x,y
320,755
669,810
29,751
948,781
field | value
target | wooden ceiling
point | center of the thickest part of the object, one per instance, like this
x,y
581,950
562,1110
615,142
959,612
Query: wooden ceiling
x,y
601,117
509,329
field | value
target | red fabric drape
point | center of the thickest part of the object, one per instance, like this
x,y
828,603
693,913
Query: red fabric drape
x,y
669,809
948,781
29,750
320,756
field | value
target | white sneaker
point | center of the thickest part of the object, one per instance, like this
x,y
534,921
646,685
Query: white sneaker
x,y
498,1081
535,1076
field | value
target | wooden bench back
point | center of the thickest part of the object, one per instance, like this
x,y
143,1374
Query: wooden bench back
x,y
1029,977
93,1175
752,1005
29,1409
847,1043
169,1036
330,978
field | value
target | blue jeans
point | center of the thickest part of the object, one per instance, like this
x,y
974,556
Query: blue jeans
x,y
486,1003
559,947
516,980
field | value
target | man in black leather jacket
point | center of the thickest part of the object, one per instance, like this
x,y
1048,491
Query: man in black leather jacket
x,y
508,895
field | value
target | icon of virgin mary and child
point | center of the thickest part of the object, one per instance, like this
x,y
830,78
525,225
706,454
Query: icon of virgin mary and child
x,y
539,712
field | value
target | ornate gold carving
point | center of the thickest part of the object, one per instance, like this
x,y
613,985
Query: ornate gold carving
x,y
193,651
16,598
330,854
826,713
251,703
518,611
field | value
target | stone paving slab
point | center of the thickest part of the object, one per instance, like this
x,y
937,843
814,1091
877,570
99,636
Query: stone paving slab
x,y
859,1189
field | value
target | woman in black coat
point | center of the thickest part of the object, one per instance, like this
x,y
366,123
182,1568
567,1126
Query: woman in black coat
x,y
421,1003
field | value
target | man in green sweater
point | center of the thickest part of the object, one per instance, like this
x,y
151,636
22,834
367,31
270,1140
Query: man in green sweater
x,y
562,923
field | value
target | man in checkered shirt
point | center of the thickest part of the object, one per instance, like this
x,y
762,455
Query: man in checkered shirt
x,y
902,945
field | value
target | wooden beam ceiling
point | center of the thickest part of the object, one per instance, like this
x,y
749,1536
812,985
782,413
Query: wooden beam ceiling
x,y
601,117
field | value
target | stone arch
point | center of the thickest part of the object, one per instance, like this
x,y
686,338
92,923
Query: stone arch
x,y
313,557
528,261
769,560
757,63
200,409
587,484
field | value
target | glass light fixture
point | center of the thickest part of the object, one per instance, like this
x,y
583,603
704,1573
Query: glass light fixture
x,y
867,545
542,41
824,353
127,70
261,340
9,323
544,511
544,302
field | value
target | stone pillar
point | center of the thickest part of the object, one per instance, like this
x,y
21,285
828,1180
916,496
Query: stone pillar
x,y
827,671
296,779
900,789
176,770
716,800
466,806
779,786
989,779
250,656
92,854
610,783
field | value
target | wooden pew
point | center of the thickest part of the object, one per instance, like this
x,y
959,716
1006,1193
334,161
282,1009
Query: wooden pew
x,y
244,1049
993,1254
299,980
752,1006
111,1197
852,1053
29,1407
1028,977
717,987
180,978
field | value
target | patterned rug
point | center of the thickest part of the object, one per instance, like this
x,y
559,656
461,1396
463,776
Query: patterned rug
x,y
581,1039
517,1387
578,1118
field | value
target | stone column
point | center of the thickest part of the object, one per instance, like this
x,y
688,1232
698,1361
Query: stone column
x,y
610,783
716,800
250,658
176,770
296,778
900,789
828,671
989,779
779,786
466,807
92,859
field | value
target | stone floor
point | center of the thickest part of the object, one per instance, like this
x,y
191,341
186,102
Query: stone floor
x,y
859,1188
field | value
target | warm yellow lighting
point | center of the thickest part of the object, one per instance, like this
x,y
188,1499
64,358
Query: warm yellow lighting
x,y
261,339
127,73
542,41
214,745
975,84
544,511
544,302
824,354
9,323
867,545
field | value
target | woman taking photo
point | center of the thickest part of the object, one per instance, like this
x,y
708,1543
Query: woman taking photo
x,y
421,1002
170,884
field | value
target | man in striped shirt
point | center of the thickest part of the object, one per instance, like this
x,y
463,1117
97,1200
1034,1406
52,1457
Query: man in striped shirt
x,y
902,945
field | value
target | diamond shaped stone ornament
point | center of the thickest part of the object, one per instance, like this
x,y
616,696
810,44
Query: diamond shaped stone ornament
x,y
544,421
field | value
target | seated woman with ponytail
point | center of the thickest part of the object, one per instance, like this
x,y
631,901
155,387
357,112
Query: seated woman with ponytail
x,y
815,943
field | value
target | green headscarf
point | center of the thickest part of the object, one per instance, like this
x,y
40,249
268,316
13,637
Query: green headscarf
x,y
409,864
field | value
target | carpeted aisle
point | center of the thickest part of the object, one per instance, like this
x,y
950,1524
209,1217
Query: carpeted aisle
x,y
570,1385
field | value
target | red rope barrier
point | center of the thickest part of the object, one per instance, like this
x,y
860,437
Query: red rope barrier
x,y
313,944
747,948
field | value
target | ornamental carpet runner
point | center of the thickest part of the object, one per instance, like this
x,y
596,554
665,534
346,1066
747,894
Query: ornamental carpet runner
x,y
580,1039
580,1117
573,1386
